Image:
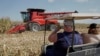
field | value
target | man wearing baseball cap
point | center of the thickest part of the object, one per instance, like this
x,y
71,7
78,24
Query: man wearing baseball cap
x,y
63,39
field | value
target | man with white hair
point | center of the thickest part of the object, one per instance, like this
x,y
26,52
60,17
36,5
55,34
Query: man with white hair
x,y
64,39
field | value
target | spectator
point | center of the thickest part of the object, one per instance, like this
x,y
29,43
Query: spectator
x,y
93,35
64,39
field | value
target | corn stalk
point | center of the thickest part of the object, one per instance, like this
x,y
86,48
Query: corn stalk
x,y
5,24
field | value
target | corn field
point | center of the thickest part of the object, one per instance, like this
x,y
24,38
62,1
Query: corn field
x,y
5,24
24,44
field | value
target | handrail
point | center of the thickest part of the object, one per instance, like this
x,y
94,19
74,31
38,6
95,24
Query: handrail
x,y
88,44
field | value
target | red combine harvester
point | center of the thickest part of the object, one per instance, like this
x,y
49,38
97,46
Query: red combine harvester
x,y
35,20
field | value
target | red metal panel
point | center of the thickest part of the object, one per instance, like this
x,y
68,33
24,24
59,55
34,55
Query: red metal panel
x,y
16,29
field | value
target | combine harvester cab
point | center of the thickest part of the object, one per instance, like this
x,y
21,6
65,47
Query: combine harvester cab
x,y
90,49
25,16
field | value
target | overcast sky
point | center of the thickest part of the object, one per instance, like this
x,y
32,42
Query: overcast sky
x,y
12,8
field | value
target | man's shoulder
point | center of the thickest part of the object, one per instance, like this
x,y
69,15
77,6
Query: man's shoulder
x,y
76,32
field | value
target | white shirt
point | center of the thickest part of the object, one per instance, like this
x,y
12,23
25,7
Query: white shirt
x,y
90,38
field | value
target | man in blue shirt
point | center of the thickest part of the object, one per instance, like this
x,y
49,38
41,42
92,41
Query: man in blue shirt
x,y
64,39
